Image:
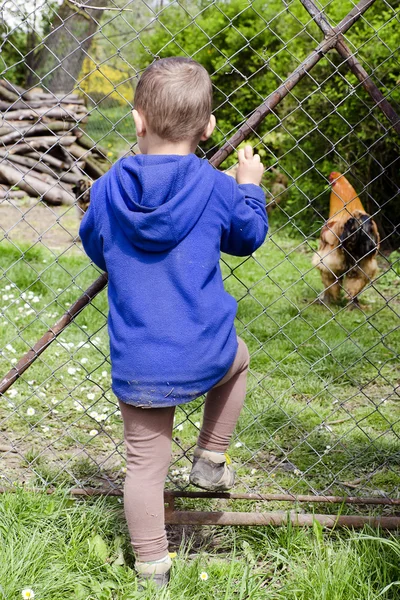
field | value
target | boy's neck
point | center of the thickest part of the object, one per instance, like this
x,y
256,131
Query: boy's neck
x,y
156,145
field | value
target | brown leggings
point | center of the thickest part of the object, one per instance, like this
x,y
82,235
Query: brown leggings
x,y
148,435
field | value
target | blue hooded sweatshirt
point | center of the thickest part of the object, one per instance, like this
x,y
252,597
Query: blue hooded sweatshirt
x,y
157,225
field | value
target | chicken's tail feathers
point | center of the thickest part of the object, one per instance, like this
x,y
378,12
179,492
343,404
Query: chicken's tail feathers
x,y
360,237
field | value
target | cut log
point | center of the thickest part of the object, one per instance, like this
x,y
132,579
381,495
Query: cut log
x,y
39,165
12,194
45,112
5,94
53,194
37,131
56,126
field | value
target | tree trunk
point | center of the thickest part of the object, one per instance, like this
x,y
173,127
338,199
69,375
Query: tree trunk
x,y
57,64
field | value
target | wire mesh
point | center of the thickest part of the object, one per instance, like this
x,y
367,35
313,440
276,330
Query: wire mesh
x,y
321,415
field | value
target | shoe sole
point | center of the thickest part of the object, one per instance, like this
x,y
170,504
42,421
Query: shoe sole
x,y
205,485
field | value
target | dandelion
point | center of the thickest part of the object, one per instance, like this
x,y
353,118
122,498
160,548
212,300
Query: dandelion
x,y
30,412
203,576
27,594
93,432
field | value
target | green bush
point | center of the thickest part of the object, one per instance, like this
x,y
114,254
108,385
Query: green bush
x,y
328,122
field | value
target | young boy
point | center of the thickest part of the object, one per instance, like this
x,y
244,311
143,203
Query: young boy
x,y
157,223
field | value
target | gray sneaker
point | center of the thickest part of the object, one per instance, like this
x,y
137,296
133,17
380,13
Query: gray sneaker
x,y
158,572
211,471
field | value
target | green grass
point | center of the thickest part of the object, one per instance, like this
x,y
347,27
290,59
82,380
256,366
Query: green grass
x,y
321,409
321,412
65,548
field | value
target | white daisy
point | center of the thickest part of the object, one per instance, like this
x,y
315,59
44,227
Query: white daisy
x,y
71,370
30,412
27,594
203,576
93,432
90,396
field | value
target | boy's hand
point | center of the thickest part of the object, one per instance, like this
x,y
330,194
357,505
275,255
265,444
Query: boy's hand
x,y
250,169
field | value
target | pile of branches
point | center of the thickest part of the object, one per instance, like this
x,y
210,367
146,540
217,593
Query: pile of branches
x,y
43,150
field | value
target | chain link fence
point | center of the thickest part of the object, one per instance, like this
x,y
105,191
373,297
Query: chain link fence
x,y
315,90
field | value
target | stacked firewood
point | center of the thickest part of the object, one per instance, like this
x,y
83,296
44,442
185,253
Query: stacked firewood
x,y
43,150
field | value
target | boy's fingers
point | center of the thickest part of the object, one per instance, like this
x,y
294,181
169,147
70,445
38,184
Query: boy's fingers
x,y
256,157
241,155
248,152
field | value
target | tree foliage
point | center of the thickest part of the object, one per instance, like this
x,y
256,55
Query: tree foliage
x,y
327,123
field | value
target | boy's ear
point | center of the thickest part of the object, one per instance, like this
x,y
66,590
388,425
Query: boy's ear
x,y
139,123
209,129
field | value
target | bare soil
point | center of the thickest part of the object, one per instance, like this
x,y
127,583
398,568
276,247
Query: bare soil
x,y
30,220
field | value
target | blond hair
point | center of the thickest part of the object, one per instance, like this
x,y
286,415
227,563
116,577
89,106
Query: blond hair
x,y
175,97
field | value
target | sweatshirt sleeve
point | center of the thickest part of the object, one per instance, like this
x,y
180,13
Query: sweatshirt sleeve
x,y
248,225
91,237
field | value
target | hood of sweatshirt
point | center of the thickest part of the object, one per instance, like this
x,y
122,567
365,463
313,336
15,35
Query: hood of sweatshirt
x,y
159,198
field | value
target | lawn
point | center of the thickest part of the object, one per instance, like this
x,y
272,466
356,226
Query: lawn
x,y
64,548
322,403
321,417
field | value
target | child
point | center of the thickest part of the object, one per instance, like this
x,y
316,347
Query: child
x,y
157,223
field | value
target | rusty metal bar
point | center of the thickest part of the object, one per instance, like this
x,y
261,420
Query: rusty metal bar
x,y
277,519
171,495
51,334
273,518
353,15
287,498
249,126
354,65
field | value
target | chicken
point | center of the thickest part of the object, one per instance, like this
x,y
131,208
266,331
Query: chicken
x,y
348,245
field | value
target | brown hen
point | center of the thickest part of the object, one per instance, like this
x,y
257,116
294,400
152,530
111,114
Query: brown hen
x,y
348,245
